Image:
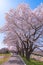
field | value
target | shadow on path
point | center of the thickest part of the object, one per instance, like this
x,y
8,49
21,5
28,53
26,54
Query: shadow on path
x,y
15,61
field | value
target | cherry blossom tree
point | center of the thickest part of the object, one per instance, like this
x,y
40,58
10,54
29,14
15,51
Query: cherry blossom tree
x,y
24,28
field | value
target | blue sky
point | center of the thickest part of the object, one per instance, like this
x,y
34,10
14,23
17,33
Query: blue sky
x,y
6,5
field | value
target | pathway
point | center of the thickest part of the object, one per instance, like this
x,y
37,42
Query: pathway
x,y
14,60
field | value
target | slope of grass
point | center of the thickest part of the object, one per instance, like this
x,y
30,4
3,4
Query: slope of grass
x,y
5,58
32,62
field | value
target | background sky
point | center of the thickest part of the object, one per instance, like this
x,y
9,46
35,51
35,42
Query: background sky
x,y
6,5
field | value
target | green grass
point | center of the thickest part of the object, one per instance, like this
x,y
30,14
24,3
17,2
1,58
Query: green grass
x,y
32,62
5,58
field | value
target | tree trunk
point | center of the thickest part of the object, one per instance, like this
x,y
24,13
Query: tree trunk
x,y
28,54
27,57
22,52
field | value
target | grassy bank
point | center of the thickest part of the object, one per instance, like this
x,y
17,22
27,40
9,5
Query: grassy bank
x,y
32,62
5,58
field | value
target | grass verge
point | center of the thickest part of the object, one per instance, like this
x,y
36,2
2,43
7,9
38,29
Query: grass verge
x,y
32,62
5,58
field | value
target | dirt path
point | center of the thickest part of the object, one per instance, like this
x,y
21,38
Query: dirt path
x,y
14,60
